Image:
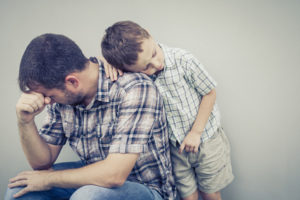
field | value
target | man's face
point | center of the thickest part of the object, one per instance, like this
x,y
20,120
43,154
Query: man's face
x,y
64,96
150,60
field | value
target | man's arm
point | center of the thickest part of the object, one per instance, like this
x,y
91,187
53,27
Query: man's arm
x,y
40,155
111,172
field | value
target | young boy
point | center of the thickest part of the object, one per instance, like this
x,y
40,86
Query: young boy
x,y
200,150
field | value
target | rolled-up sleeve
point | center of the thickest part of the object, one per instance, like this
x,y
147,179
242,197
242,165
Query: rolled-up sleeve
x,y
197,76
52,128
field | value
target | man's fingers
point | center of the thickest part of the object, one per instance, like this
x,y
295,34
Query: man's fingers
x,y
22,192
17,183
17,178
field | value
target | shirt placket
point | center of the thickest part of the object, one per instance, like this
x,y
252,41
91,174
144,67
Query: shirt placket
x,y
84,137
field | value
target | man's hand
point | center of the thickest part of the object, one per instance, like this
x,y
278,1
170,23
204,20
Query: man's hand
x,y
191,142
110,71
32,180
30,105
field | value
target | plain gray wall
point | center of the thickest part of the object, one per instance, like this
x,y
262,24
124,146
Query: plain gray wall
x,y
252,49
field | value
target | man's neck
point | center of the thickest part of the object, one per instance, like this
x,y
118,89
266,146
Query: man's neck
x,y
91,76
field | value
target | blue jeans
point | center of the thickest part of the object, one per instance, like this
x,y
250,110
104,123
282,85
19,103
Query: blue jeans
x,y
128,191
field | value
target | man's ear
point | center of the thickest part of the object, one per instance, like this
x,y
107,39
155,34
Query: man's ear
x,y
72,82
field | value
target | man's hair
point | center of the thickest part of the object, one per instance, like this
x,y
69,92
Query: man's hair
x,y
47,60
122,43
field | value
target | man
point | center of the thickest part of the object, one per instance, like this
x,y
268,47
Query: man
x,y
118,129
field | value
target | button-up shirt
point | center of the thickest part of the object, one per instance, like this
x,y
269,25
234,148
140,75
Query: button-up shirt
x,y
126,116
182,84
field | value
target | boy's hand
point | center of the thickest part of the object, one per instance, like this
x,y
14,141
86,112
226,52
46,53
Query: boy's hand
x,y
29,105
191,142
110,71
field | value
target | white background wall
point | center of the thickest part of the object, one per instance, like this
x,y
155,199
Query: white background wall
x,y
250,47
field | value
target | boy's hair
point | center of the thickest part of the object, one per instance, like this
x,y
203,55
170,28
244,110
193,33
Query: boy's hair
x,y
122,43
47,60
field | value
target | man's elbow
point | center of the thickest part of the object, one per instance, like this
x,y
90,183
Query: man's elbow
x,y
41,165
113,181
118,182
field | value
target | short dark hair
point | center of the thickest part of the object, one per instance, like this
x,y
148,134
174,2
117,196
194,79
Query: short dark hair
x,y
47,60
122,43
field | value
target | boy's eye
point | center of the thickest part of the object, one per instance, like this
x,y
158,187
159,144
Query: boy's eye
x,y
147,67
154,54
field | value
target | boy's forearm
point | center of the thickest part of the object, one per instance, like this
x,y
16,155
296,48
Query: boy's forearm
x,y
204,111
36,150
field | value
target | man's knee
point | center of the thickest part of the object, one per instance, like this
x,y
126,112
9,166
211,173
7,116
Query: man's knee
x,y
89,192
10,192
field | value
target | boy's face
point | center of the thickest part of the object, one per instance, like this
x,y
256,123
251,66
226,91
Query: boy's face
x,y
150,60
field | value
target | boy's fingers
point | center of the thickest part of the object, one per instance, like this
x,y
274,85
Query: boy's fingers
x,y
120,72
181,148
106,71
115,74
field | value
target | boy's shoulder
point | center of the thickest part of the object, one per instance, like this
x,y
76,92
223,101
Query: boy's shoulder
x,y
173,51
175,55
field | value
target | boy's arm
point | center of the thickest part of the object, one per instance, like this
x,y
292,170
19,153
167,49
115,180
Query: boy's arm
x,y
204,84
192,141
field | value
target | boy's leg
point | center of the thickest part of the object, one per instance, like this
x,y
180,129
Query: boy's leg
x,y
194,196
213,170
211,196
54,193
186,182
128,191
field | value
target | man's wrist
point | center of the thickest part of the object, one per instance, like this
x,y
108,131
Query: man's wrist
x,y
50,178
25,123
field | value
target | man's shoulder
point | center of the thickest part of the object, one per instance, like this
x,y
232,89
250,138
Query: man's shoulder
x,y
129,80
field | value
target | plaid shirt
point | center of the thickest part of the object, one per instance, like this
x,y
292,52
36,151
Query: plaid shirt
x,y
182,84
126,116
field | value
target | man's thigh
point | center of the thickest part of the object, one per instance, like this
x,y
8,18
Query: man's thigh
x,y
128,191
54,193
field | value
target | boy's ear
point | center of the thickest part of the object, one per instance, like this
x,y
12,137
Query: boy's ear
x,y
71,81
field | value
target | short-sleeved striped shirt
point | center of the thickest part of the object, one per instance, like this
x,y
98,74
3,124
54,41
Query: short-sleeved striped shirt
x,y
182,84
126,116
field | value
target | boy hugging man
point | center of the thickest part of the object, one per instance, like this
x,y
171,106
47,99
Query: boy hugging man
x,y
200,150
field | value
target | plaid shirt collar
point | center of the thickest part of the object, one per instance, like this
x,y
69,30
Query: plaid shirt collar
x,y
103,85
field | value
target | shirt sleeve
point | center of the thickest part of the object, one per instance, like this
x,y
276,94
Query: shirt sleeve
x,y
139,110
196,75
52,129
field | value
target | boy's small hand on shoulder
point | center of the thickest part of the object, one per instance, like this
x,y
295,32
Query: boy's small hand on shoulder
x,y
191,142
110,71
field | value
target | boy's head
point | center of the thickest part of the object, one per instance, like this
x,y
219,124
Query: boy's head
x,y
129,47
47,60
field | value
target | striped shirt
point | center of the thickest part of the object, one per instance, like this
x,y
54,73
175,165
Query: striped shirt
x,y
126,116
182,84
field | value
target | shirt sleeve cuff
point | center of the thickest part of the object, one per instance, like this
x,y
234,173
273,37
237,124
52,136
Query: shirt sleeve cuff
x,y
54,140
128,148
